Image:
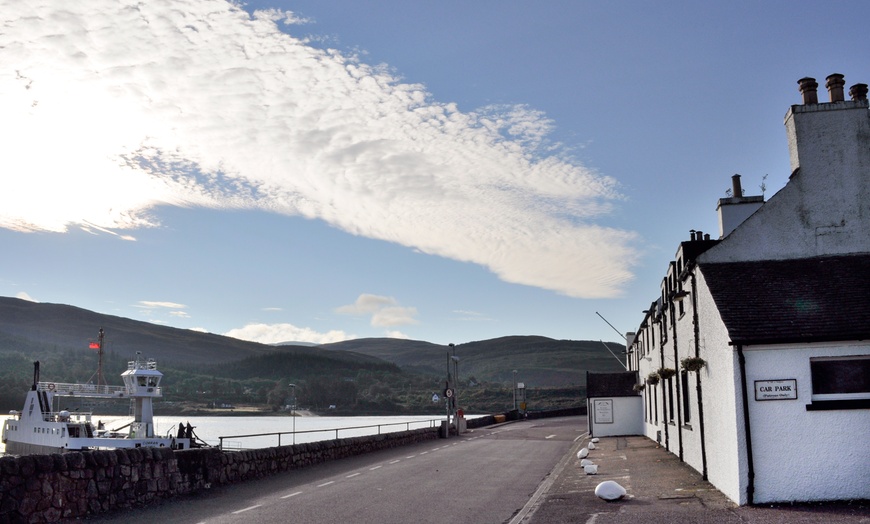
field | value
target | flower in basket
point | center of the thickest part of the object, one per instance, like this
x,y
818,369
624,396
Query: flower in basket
x,y
693,363
666,373
652,379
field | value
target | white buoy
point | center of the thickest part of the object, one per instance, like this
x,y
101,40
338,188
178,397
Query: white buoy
x,y
583,453
609,490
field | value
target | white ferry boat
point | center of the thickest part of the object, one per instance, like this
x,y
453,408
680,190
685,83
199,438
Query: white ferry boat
x,y
43,428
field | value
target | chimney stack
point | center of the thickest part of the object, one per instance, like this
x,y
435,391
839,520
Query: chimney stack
x,y
835,84
808,88
736,190
858,92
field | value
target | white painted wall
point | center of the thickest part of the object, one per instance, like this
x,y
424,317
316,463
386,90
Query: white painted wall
x,y
627,417
825,207
723,413
805,455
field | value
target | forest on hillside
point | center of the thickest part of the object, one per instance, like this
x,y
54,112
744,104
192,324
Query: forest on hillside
x,y
262,384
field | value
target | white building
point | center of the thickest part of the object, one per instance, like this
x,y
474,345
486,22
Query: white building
x,y
777,311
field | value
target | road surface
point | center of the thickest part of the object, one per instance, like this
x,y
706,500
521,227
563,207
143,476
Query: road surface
x,y
484,476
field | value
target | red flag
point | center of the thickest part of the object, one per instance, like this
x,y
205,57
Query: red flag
x,y
94,345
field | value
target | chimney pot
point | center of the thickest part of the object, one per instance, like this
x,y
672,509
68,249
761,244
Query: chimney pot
x,y
835,84
736,190
808,88
858,92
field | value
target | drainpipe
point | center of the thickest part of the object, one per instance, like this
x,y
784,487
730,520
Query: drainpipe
x,y
698,376
663,381
747,430
678,395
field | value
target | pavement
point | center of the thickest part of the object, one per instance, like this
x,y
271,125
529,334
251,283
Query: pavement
x,y
660,489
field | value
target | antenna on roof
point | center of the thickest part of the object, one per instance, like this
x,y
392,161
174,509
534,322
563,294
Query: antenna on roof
x,y
614,354
611,325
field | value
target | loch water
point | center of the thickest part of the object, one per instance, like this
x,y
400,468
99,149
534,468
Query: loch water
x,y
308,429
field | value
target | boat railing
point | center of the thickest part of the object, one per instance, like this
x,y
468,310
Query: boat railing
x,y
82,390
389,427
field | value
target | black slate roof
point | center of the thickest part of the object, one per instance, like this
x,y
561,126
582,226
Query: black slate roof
x,y
822,299
611,384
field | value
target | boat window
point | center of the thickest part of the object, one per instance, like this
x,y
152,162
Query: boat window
x,y
141,381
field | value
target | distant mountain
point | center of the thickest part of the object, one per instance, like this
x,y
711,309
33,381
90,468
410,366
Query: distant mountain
x,y
539,361
31,327
63,327
375,375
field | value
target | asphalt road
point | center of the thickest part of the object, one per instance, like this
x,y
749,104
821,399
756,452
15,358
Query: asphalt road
x,y
484,476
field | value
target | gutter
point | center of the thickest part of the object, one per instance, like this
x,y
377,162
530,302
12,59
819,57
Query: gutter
x,y
695,320
747,430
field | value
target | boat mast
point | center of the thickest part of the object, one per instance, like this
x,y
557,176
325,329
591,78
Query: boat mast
x,y
101,380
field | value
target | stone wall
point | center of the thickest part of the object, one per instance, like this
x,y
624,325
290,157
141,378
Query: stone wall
x,y
50,488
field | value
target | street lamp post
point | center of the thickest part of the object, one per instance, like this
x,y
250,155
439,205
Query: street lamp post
x,y
456,393
514,386
293,411
447,397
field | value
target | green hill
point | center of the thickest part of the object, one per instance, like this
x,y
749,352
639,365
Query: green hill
x,y
539,361
365,376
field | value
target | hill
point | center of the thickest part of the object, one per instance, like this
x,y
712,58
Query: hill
x,y
371,376
539,361
62,327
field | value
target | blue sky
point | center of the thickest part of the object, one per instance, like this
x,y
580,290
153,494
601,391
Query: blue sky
x,y
443,171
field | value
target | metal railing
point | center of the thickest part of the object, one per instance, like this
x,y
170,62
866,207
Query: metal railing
x,y
431,423
82,390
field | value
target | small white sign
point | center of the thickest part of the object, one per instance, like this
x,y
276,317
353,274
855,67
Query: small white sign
x,y
603,411
776,389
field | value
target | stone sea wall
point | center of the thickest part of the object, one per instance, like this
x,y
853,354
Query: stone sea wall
x,y
51,488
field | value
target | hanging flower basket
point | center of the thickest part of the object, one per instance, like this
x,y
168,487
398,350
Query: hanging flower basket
x,y
652,379
666,373
639,387
693,363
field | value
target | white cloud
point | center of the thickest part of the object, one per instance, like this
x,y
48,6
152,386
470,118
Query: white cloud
x,y
277,333
24,296
113,107
394,316
150,304
366,304
384,311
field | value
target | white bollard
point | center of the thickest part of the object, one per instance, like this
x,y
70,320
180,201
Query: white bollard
x,y
609,490
583,453
591,469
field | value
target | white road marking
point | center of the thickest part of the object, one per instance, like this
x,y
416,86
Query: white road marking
x,y
326,483
410,457
351,475
246,509
549,436
424,452
374,468
397,460
291,495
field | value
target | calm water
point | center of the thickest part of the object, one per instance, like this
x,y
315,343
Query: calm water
x,y
210,429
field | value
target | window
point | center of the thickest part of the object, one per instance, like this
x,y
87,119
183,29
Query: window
x,y
840,382
684,384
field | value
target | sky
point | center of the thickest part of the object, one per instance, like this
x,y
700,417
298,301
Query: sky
x,y
447,171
